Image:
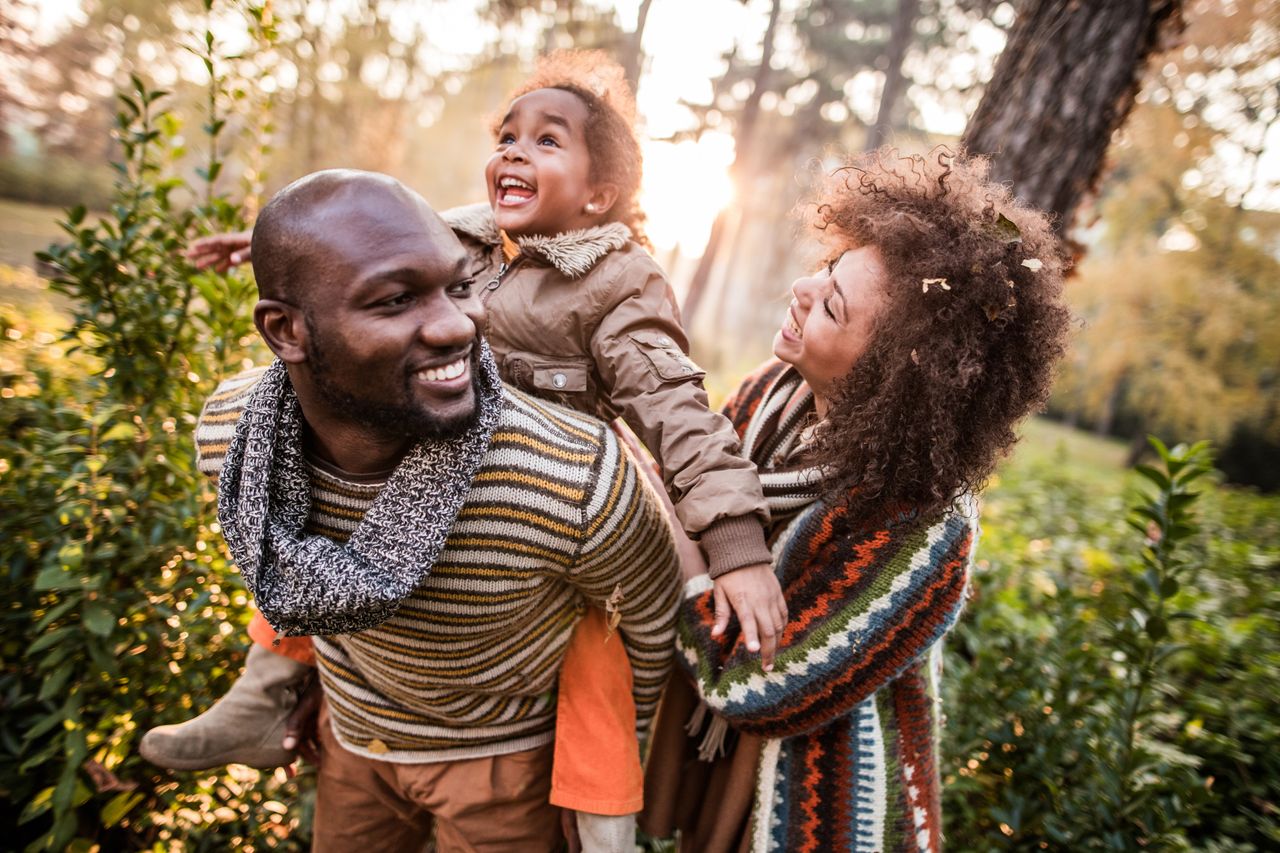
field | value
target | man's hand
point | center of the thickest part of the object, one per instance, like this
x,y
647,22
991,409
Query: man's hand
x,y
755,597
220,251
301,731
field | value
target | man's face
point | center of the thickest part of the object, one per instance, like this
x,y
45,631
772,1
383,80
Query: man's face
x,y
393,322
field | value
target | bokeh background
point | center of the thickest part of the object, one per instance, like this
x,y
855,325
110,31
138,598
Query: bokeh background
x,y
1114,681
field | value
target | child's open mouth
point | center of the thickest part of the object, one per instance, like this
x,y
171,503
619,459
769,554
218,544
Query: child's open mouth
x,y
513,192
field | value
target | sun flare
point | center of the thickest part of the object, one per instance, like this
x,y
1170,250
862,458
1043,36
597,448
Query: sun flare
x,y
685,185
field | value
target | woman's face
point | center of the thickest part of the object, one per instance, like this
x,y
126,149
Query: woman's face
x,y
829,322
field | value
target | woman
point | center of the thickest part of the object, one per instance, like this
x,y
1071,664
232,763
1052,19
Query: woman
x,y
904,365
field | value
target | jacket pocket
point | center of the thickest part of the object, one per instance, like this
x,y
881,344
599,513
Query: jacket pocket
x,y
548,374
665,358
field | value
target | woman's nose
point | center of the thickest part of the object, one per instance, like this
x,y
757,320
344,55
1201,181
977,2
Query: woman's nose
x,y
804,289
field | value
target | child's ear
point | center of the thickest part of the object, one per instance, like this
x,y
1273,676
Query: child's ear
x,y
602,199
284,328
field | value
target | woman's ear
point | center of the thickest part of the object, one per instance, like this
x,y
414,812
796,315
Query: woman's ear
x,y
284,328
602,199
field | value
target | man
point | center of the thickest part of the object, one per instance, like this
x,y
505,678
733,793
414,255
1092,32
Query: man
x,y
438,532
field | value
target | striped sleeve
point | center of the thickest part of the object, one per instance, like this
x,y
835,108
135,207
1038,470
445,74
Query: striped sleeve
x,y
863,608
627,556
218,419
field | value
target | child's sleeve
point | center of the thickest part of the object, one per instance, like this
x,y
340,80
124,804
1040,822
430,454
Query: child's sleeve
x,y
639,348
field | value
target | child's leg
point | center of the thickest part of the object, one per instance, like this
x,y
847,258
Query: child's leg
x,y
597,758
246,726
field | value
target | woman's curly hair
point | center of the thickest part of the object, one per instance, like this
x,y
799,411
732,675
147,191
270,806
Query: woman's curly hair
x,y
601,84
967,341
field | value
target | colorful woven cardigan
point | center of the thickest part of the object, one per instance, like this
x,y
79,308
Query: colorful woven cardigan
x,y
850,711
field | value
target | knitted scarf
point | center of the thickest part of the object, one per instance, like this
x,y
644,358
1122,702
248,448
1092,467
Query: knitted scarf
x,y
771,412
310,584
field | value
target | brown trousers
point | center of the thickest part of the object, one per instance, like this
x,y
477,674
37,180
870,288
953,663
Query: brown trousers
x,y
481,804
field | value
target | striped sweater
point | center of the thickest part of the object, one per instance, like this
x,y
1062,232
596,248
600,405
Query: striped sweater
x,y
850,712
558,517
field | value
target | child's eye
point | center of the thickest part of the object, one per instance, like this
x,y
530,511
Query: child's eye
x,y
506,138
549,140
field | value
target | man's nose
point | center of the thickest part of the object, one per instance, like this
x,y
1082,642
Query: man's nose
x,y
446,325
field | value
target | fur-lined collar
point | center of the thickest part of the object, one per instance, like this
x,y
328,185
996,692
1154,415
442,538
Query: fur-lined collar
x,y
572,253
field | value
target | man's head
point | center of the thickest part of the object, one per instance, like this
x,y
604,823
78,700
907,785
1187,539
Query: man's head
x,y
364,293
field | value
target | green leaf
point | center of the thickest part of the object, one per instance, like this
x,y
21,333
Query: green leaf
x,y
1169,587
49,639
37,805
1155,476
1008,230
55,682
98,619
1157,628
1159,446
119,806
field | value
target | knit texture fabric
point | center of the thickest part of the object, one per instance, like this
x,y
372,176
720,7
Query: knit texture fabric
x,y
309,584
556,517
851,708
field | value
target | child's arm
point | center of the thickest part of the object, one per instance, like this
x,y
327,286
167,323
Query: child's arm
x,y
639,351
220,251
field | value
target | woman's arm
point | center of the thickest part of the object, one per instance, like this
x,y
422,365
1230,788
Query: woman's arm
x,y
864,606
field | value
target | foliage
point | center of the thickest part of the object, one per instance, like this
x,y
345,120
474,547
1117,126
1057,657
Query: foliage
x,y
1075,721
124,611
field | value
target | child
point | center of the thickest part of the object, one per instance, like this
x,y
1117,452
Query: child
x,y
580,314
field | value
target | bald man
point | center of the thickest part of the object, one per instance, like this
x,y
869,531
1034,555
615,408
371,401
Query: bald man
x,y
437,532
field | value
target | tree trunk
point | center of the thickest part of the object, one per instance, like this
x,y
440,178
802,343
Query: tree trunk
x,y
743,141
904,24
1064,83
634,56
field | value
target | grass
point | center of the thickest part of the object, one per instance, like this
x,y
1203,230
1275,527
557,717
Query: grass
x,y
26,229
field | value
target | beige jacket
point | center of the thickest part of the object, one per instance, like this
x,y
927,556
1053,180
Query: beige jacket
x,y
587,319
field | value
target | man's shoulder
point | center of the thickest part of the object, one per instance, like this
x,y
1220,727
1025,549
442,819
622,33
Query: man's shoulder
x,y
218,419
563,434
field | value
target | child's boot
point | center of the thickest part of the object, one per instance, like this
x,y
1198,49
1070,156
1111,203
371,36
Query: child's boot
x,y
244,727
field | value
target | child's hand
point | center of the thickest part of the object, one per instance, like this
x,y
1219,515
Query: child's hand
x,y
756,598
220,251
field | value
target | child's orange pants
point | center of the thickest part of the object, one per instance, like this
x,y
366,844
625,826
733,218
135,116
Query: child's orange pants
x,y
597,758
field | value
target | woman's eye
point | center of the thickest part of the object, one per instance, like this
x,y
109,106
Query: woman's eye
x,y
831,266
826,306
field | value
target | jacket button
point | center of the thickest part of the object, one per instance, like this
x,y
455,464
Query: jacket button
x,y
664,341
559,380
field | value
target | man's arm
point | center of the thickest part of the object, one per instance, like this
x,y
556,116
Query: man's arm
x,y
627,564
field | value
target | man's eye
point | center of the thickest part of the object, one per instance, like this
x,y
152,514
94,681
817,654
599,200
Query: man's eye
x,y
398,300
462,289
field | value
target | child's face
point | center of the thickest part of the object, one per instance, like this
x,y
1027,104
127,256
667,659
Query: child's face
x,y
539,177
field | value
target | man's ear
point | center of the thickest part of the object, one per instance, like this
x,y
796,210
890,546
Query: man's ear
x,y
284,328
603,196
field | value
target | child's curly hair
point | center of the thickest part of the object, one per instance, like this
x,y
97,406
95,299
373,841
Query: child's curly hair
x,y
967,342
601,84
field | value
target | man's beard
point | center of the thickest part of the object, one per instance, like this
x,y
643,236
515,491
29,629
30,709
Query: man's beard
x,y
401,420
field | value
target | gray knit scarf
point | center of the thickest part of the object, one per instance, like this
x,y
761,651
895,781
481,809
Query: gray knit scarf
x,y
310,584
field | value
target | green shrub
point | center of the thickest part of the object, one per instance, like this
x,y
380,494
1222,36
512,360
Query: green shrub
x,y
1075,721
123,611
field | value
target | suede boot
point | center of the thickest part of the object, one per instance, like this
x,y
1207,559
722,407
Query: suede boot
x,y
244,727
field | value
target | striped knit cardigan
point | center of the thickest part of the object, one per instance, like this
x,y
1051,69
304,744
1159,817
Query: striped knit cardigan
x,y
850,711
558,516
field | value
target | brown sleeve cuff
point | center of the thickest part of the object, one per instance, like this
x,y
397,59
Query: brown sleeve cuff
x,y
734,543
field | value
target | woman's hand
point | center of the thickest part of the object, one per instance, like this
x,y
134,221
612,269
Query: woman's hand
x,y
220,251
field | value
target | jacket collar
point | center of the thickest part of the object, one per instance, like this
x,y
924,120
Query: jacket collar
x,y
572,253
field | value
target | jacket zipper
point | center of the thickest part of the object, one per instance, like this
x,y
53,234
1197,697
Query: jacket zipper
x,y
496,282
